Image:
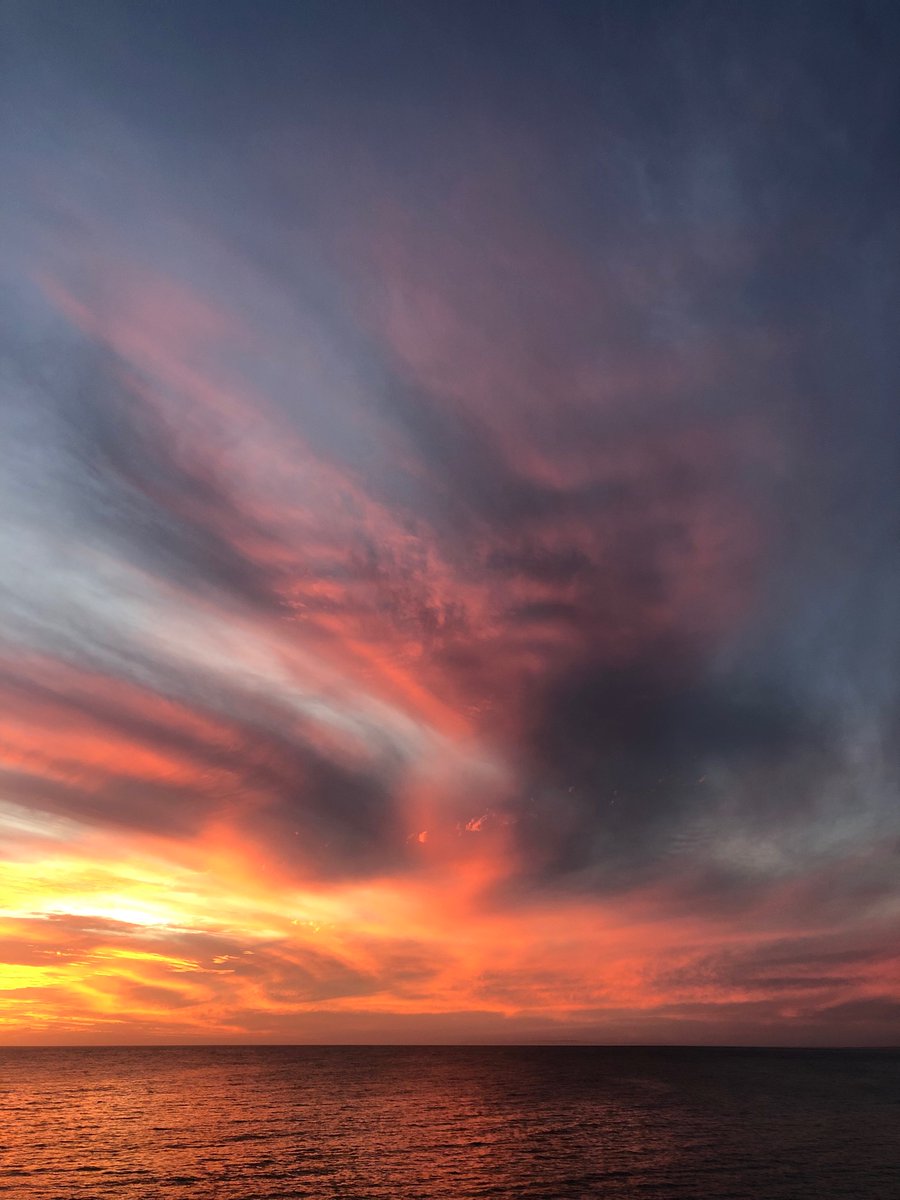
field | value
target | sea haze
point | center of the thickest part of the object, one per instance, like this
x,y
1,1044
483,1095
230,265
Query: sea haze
x,y
450,1123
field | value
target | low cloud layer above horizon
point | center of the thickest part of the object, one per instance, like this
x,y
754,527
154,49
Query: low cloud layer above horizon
x,y
450,490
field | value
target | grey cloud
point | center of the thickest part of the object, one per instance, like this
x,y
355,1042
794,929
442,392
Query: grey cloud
x,y
625,755
141,485
831,963
252,761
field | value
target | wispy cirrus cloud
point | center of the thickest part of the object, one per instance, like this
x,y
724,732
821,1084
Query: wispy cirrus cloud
x,y
448,545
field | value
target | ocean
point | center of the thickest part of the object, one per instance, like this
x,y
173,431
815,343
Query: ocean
x,y
449,1123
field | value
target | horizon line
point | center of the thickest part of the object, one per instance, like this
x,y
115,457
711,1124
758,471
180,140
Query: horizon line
x,y
561,1045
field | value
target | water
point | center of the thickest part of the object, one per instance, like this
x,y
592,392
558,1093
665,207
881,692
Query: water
x,y
280,1123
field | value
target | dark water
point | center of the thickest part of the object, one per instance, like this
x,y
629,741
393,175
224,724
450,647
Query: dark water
x,y
449,1123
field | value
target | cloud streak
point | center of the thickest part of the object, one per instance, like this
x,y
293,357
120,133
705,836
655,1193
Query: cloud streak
x,y
450,583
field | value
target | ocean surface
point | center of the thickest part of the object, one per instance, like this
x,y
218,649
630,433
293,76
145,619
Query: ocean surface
x,y
277,1123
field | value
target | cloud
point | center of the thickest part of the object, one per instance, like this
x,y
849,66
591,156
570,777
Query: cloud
x,y
456,510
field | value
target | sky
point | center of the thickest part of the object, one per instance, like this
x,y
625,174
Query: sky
x,y
450,541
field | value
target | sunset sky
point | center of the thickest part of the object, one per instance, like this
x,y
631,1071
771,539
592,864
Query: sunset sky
x,y
450,522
